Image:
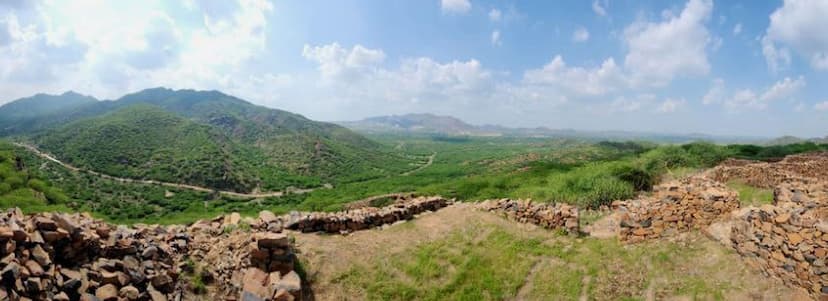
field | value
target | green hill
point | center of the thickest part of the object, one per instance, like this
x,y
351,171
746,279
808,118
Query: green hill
x,y
30,113
20,189
204,138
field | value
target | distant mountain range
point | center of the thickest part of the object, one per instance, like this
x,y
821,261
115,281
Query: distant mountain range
x,y
205,138
429,124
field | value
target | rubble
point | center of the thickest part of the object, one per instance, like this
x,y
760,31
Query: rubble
x,y
362,218
546,215
674,207
57,256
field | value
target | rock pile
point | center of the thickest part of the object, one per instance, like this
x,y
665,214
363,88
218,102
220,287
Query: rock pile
x,y
811,167
74,257
678,206
788,243
546,215
70,257
363,218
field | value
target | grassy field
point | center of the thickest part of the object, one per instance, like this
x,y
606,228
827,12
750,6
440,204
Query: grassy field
x,y
462,254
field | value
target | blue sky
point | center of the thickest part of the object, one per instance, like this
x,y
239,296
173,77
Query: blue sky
x,y
719,67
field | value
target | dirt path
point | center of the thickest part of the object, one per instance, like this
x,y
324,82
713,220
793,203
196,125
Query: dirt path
x,y
428,163
167,184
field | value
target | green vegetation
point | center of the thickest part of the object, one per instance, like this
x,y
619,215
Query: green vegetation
x,y
752,196
202,138
487,261
18,188
562,170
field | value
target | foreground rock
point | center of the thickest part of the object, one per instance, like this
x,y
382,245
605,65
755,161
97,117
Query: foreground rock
x,y
58,256
546,215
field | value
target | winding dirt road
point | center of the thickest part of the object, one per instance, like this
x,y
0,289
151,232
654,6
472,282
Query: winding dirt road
x,y
430,160
167,184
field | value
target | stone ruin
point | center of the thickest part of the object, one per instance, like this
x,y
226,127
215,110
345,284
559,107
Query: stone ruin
x,y
797,168
363,218
789,239
547,215
675,207
75,257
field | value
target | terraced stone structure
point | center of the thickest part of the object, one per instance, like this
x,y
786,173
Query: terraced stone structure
x,y
675,207
362,218
547,215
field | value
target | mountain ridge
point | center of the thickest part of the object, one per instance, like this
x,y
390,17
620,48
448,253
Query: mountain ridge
x,y
272,149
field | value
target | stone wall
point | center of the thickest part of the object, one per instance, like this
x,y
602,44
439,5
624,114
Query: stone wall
x,y
362,218
788,239
798,168
546,215
674,207
72,256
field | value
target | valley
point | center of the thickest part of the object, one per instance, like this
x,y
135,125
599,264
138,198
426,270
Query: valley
x,y
415,214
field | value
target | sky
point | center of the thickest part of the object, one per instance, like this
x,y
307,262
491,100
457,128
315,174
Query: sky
x,y
748,68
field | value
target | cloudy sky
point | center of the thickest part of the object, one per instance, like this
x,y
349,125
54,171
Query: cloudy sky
x,y
719,67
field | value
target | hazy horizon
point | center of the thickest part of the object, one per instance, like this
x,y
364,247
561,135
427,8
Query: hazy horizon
x,y
735,68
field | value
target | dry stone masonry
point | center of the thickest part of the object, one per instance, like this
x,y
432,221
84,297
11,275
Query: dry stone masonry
x,y
797,168
362,218
674,207
74,257
788,239
546,215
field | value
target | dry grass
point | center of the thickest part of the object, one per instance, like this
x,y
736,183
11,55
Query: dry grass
x,y
462,254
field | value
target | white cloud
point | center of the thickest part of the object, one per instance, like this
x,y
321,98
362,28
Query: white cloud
x,y
800,25
748,99
581,81
737,29
783,89
338,63
495,15
598,8
716,92
822,106
626,104
455,6
776,58
580,35
496,38
660,51
670,105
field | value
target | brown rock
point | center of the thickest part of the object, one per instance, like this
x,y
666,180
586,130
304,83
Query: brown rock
x,y
107,293
254,283
794,238
34,268
267,217
157,296
41,256
282,295
290,282
129,292
783,218
45,224
272,240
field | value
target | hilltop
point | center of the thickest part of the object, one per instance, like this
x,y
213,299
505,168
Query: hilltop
x,y
197,137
